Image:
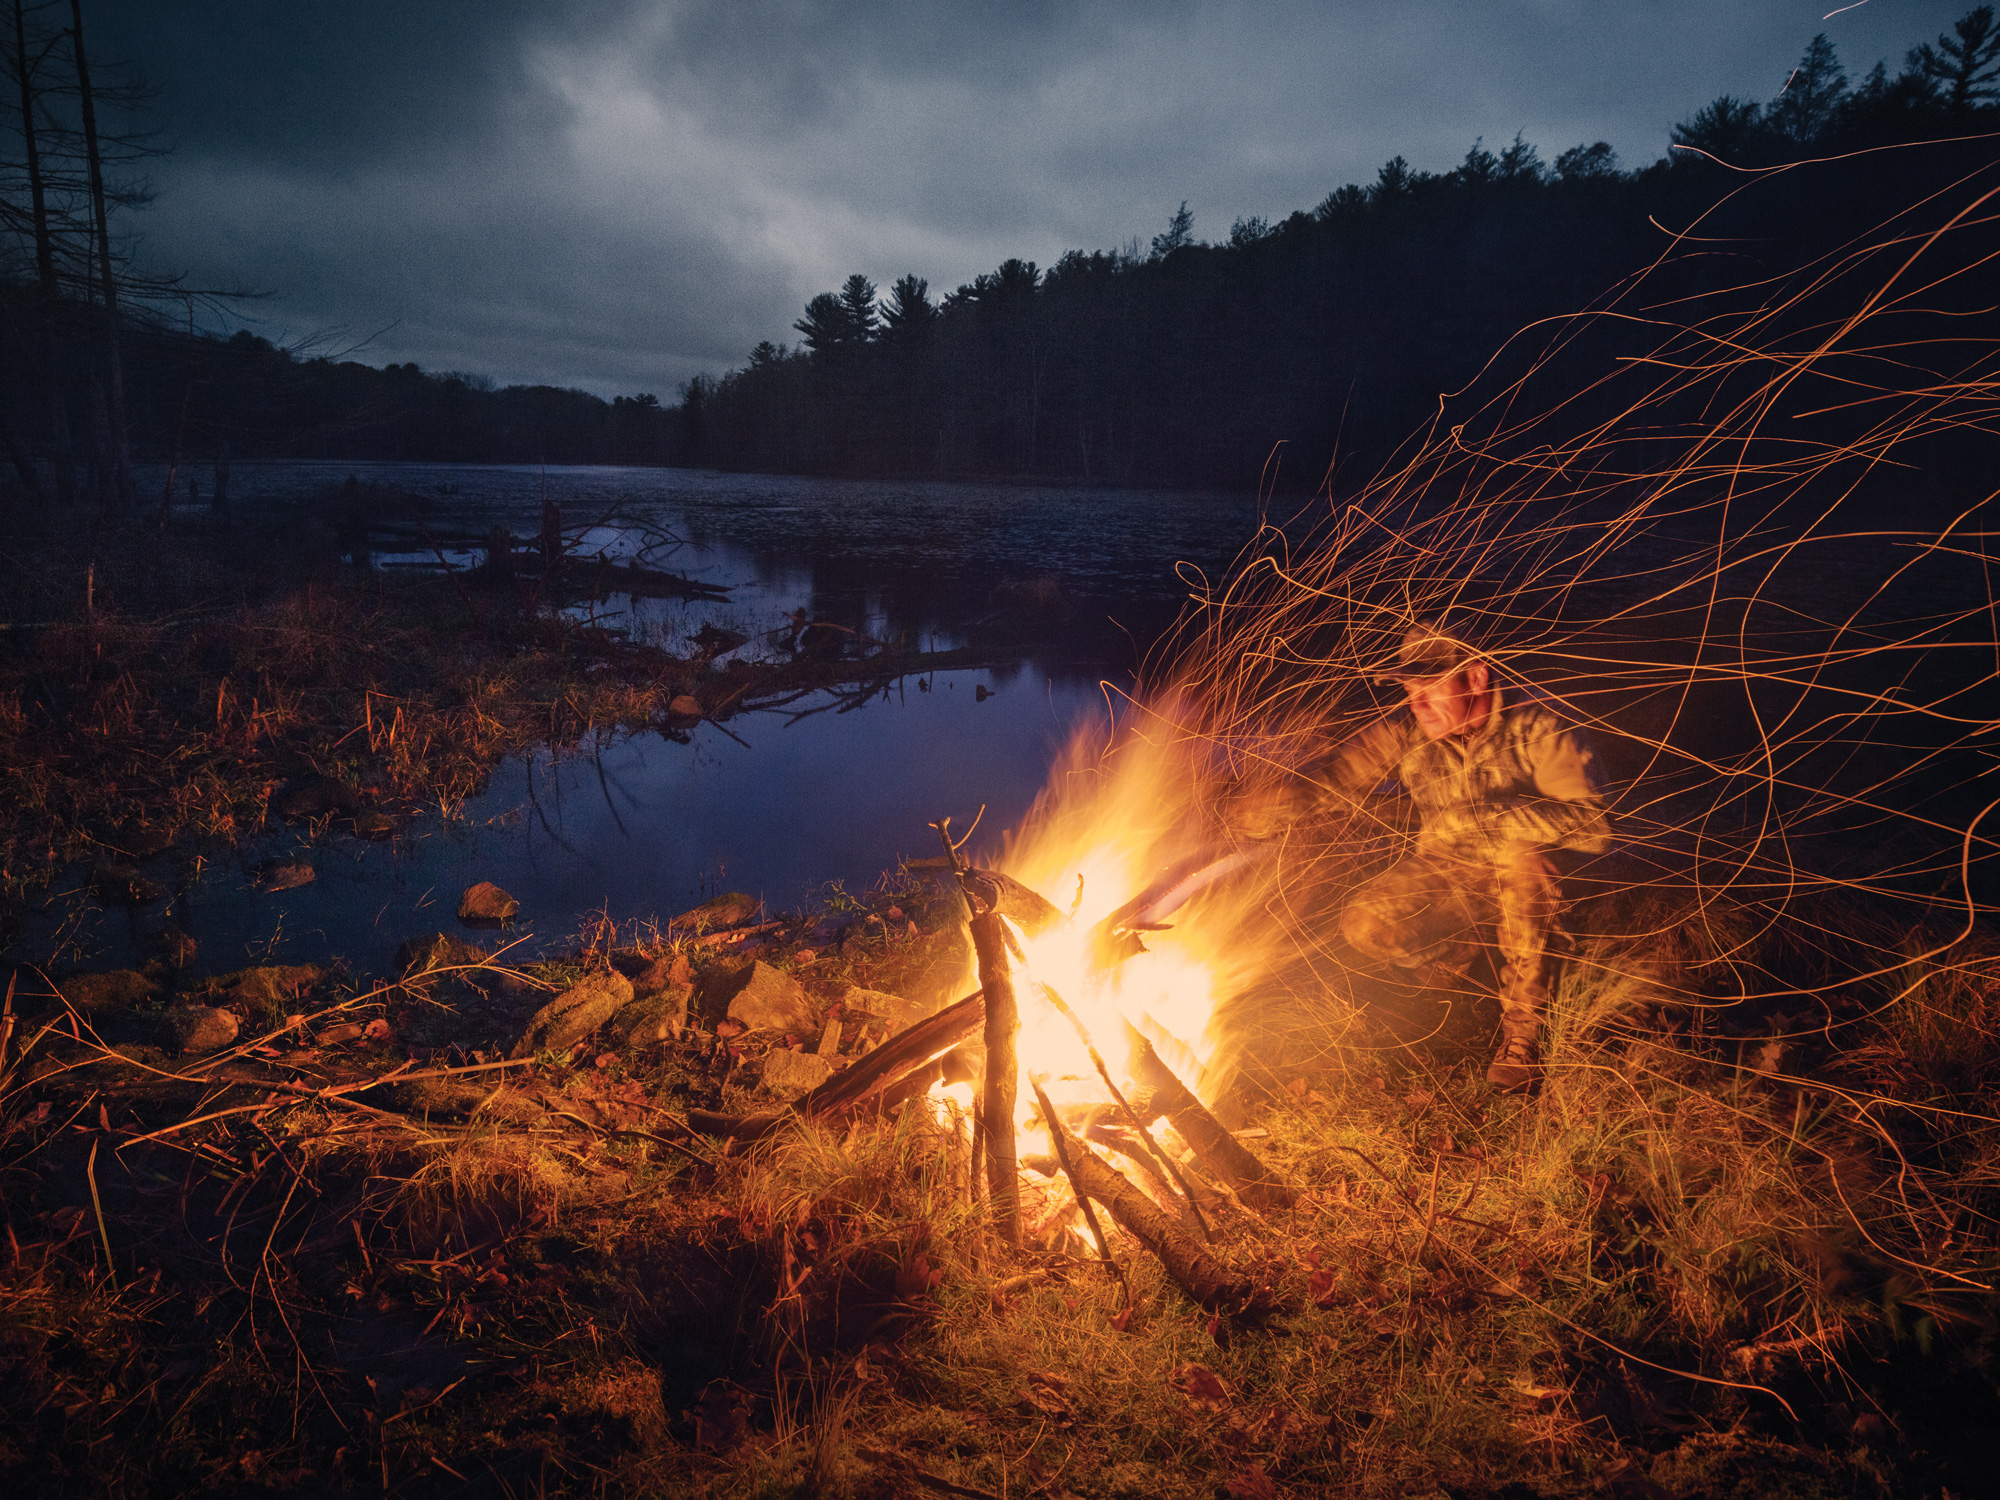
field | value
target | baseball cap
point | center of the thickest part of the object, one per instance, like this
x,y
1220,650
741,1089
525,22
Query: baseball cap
x,y
1430,649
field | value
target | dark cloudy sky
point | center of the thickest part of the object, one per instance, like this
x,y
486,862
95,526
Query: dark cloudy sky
x,y
618,193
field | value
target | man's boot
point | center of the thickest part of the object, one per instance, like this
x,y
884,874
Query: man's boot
x,y
1516,1066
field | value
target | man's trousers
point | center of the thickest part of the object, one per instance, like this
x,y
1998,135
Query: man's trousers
x,y
1427,910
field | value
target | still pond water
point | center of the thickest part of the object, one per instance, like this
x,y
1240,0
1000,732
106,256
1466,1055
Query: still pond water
x,y
779,806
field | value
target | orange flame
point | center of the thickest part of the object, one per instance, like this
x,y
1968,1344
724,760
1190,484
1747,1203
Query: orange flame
x,y
1112,820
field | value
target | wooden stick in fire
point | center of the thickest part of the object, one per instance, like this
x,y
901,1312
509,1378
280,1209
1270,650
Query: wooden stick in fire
x,y
1194,1270
1255,1183
1061,1139
1119,937
1146,1135
1003,1019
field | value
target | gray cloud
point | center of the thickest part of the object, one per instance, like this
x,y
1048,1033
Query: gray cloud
x,y
618,193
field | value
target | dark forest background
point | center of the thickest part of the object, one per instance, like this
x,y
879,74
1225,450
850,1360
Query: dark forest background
x,y
1324,338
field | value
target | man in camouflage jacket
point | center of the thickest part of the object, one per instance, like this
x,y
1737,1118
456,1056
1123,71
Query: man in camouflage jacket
x,y
1502,781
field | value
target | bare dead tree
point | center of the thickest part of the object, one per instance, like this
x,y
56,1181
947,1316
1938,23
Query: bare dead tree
x,y
48,294
120,441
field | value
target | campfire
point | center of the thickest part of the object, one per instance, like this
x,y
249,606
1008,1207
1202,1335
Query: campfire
x,y
1079,1070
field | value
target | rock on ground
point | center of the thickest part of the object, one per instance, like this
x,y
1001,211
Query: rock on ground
x,y
654,975
486,902
573,1015
283,875
791,1073
652,1018
271,990
879,1005
174,945
314,797
125,885
685,706
94,994
201,1028
758,998
731,910
438,950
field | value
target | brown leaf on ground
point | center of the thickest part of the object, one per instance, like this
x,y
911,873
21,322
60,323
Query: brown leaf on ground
x,y
722,1416
1201,1385
1251,1483
1526,1388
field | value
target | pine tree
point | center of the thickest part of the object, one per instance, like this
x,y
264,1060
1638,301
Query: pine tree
x,y
1719,128
909,312
857,299
1806,104
1965,63
1179,235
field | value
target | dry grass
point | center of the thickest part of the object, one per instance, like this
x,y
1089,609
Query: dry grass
x,y
1669,1266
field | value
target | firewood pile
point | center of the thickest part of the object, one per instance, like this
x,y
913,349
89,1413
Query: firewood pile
x,y
1162,1207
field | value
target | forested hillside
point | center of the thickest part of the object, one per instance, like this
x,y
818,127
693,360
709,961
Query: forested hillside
x,y
1322,339
1331,335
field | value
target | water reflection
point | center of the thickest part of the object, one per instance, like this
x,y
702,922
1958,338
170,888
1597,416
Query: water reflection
x,y
1055,584
643,827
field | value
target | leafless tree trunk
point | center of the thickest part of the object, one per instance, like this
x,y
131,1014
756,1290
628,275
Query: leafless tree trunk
x,y
45,271
120,447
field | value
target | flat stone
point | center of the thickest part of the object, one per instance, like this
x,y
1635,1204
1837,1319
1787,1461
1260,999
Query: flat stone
x,y
879,1005
94,994
658,1017
439,950
486,902
792,1073
272,991
142,840
758,998
657,976
375,825
283,875
314,797
201,1028
731,910
575,1014
125,885
835,926
174,945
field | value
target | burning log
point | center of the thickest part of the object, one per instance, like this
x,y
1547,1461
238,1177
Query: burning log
x,y
889,1064
1220,1151
990,941
1003,1073
1060,1138
1125,1105
1196,1272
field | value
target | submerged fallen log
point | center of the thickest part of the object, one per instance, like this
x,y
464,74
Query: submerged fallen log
x,y
1161,1092
604,576
1196,1272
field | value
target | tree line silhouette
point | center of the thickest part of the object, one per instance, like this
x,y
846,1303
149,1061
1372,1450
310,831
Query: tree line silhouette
x,y
1328,336
101,363
1325,337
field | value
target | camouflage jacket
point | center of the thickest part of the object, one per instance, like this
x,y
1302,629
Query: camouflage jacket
x,y
1525,778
